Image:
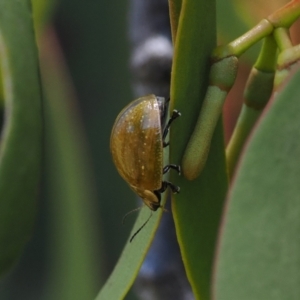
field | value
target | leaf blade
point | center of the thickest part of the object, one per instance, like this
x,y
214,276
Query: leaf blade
x,y
197,209
21,146
258,256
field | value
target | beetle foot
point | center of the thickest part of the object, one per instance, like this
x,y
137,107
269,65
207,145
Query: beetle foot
x,y
175,114
174,188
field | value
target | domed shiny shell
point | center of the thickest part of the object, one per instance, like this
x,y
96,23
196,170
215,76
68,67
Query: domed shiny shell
x,y
136,144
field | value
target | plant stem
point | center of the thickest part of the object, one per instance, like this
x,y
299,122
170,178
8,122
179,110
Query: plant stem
x,y
244,42
282,38
283,17
222,76
257,93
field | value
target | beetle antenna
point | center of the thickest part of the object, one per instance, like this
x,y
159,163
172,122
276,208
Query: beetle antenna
x,y
127,214
131,239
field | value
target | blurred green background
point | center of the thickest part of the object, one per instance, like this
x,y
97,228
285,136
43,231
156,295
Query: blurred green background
x,y
78,237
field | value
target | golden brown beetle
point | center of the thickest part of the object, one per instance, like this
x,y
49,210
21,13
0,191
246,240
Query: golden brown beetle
x,y
136,144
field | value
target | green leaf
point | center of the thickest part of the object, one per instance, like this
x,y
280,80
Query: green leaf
x,y
73,234
259,255
197,209
132,257
20,158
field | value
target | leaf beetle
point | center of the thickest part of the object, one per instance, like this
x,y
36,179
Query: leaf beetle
x,y
136,144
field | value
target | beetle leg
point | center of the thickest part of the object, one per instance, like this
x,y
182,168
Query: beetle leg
x,y
172,166
158,195
174,116
165,184
174,188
